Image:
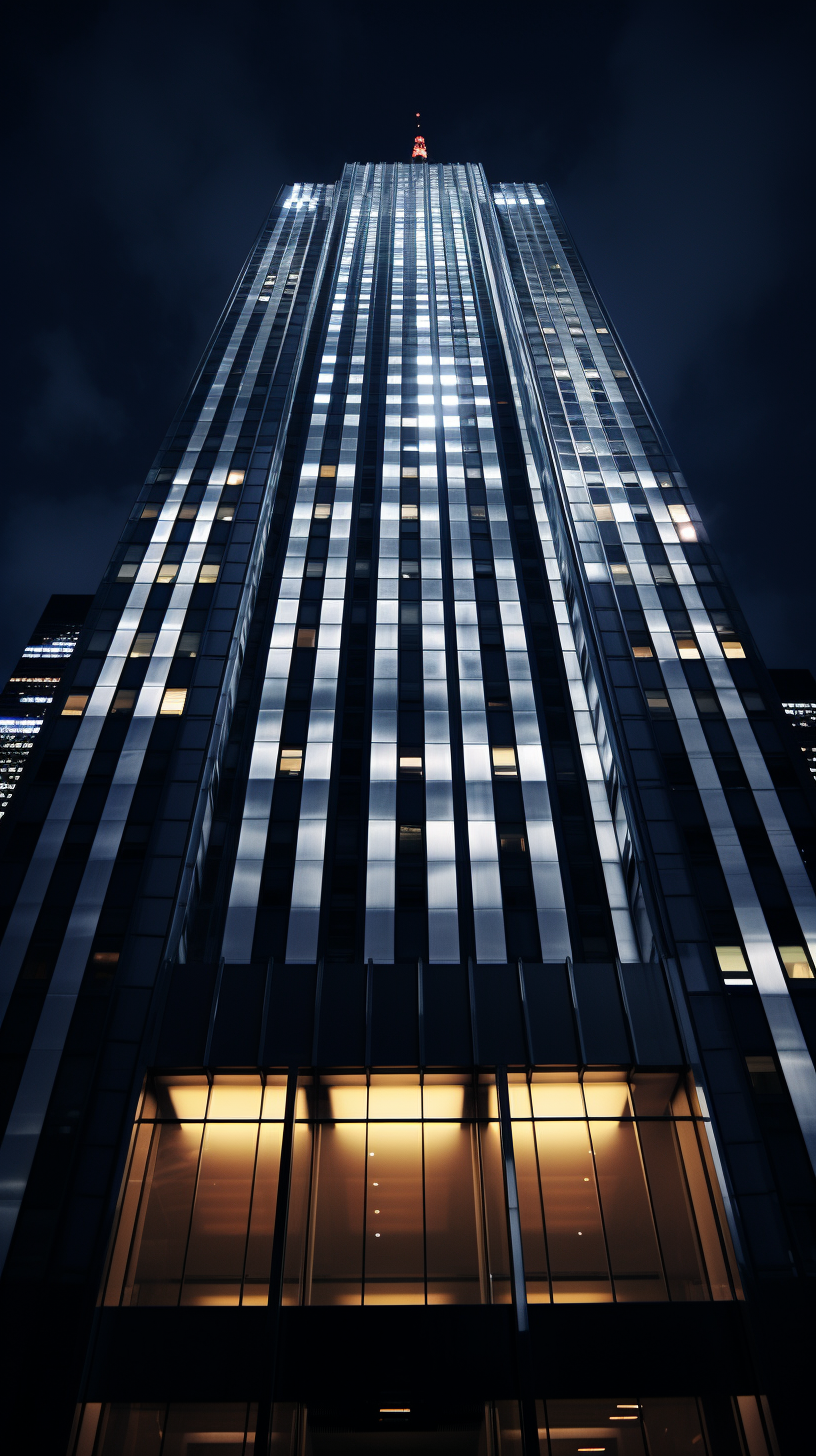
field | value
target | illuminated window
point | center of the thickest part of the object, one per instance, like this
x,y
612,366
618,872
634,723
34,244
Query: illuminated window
x,y
189,643
410,472
409,568
225,512
616,1172
143,644
794,959
504,763
149,513
410,765
733,648
603,513
167,572
328,472
235,477
291,762
124,701
188,512
732,964
409,512
173,701
306,637
75,705
620,573
478,513
687,648
209,573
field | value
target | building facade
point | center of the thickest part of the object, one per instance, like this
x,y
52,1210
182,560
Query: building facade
x,y
409,924
796,687
33,685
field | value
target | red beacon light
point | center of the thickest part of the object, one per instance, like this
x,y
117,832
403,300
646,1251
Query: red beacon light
x,y
420,152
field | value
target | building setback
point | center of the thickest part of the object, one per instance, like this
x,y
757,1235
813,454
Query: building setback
x,y
409,924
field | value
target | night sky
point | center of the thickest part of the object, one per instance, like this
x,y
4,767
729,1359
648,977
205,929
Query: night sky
x,y
145,143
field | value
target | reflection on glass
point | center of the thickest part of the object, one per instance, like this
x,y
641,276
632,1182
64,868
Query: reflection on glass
x,y
620,1425
614,1205
167,1430
197,1211
397,1193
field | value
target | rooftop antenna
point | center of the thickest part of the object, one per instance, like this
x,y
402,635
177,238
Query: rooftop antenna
x,y
420,152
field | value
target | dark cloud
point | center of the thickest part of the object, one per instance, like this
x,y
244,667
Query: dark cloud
x,y
145,143
70,405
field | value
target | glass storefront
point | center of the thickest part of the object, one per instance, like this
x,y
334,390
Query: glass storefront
x,y
619,1426
397,1193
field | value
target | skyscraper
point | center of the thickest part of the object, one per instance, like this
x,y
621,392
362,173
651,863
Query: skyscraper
x,y
407,979
796,687
31,689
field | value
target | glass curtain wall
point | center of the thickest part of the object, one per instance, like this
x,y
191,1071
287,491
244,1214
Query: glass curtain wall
x,y
621,1425
397,1193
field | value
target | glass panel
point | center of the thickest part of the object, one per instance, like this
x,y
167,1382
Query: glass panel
x,y
630,1232
495,1212
238,1101
532,1223
614,1425
160,1244
129,1211
674,1428
217,1429
706,1221
215,1258
337,1252
394,1098
682,1257
298,1210
451,1204
571,1214
262,1218
394,1255
448,1099
557,1099
136,1429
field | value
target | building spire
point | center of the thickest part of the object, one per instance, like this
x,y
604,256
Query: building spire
x,y
420,152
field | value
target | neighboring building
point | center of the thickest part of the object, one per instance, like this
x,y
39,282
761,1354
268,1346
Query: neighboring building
x,y
31,688
408,963
796,687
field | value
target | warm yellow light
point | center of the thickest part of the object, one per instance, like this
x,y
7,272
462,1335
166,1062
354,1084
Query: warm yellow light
x,y
557,1099
394,1100
188,1101
795,962
731,959
607,1099
446,1101
173,701
235,1103
347,1103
